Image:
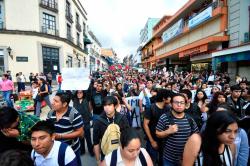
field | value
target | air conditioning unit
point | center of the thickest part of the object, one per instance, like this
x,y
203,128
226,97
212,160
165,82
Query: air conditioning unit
x,y
246,37
51,31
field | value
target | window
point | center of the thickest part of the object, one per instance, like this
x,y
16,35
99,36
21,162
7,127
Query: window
x,y
49,21
70,63
68,31
83,27
77,18
68,11
78,38
50,3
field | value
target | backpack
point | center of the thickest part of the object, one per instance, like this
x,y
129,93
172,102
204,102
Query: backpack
x,y
114,158
61,154
111,138
98,100
71,114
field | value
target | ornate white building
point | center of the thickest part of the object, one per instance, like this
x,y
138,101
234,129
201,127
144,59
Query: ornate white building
x,y
42,35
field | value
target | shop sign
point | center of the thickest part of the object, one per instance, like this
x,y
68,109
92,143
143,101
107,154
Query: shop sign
x,y
201,17
173,31
193,51
22,59
161,62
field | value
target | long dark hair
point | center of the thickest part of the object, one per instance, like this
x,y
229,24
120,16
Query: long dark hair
x,y
217,124
214,103
204,96
75,94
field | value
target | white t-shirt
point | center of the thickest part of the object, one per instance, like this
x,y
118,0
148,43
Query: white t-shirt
x,y
52,158
142,97
211,78
34,92
120,161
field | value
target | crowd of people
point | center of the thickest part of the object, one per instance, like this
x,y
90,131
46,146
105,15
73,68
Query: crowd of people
x,y
187,118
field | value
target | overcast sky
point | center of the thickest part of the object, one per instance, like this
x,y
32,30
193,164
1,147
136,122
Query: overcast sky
x,y
117,23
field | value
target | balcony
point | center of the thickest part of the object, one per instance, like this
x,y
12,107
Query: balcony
x,y
69,17
78,27
49,31
70,38
150,53
1,25
49,5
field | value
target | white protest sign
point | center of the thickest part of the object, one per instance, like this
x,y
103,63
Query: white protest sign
x,y
75,79
135,113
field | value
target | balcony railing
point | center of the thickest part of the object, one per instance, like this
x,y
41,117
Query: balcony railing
x,y
69,17
70,38
50,5
1,25
49,31
78,27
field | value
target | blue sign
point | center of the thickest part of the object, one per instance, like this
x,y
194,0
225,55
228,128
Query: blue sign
x,y
173,31
201,17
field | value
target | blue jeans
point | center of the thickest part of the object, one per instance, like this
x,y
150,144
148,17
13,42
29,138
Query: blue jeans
x,y
169,163
78,157
152,152
6,96
59,88
38,105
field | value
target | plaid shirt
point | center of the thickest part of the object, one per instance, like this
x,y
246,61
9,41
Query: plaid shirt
x,y
26,122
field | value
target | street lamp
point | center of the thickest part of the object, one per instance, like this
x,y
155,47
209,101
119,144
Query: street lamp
x,y
9,51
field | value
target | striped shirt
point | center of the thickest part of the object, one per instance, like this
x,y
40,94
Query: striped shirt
x,y
65,126
174,144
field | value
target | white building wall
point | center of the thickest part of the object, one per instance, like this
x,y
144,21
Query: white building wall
x,y
19,16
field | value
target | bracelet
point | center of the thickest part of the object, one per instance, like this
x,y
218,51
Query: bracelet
x,y
60,136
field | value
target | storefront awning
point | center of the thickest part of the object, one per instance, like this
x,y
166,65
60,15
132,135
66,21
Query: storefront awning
x,y
241,56
87,41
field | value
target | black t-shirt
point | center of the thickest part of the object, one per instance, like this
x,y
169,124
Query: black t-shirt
x,y
97,101
195,113
153,114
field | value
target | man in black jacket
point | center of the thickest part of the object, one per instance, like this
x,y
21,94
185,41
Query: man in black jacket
x,y
111,116
235,101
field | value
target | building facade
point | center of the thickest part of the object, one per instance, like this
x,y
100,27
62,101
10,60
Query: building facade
x,y
236,58
97,61
189,37
147,32
42,35
203,35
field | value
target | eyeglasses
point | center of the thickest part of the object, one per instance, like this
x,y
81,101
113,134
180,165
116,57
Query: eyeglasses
x,y
179,102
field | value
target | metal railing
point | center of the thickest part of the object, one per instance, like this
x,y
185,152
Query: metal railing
x,y
49,31
49,4
70,38
69,16
78,27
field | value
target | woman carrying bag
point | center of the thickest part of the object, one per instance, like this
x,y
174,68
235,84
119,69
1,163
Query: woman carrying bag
x,y
43,95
